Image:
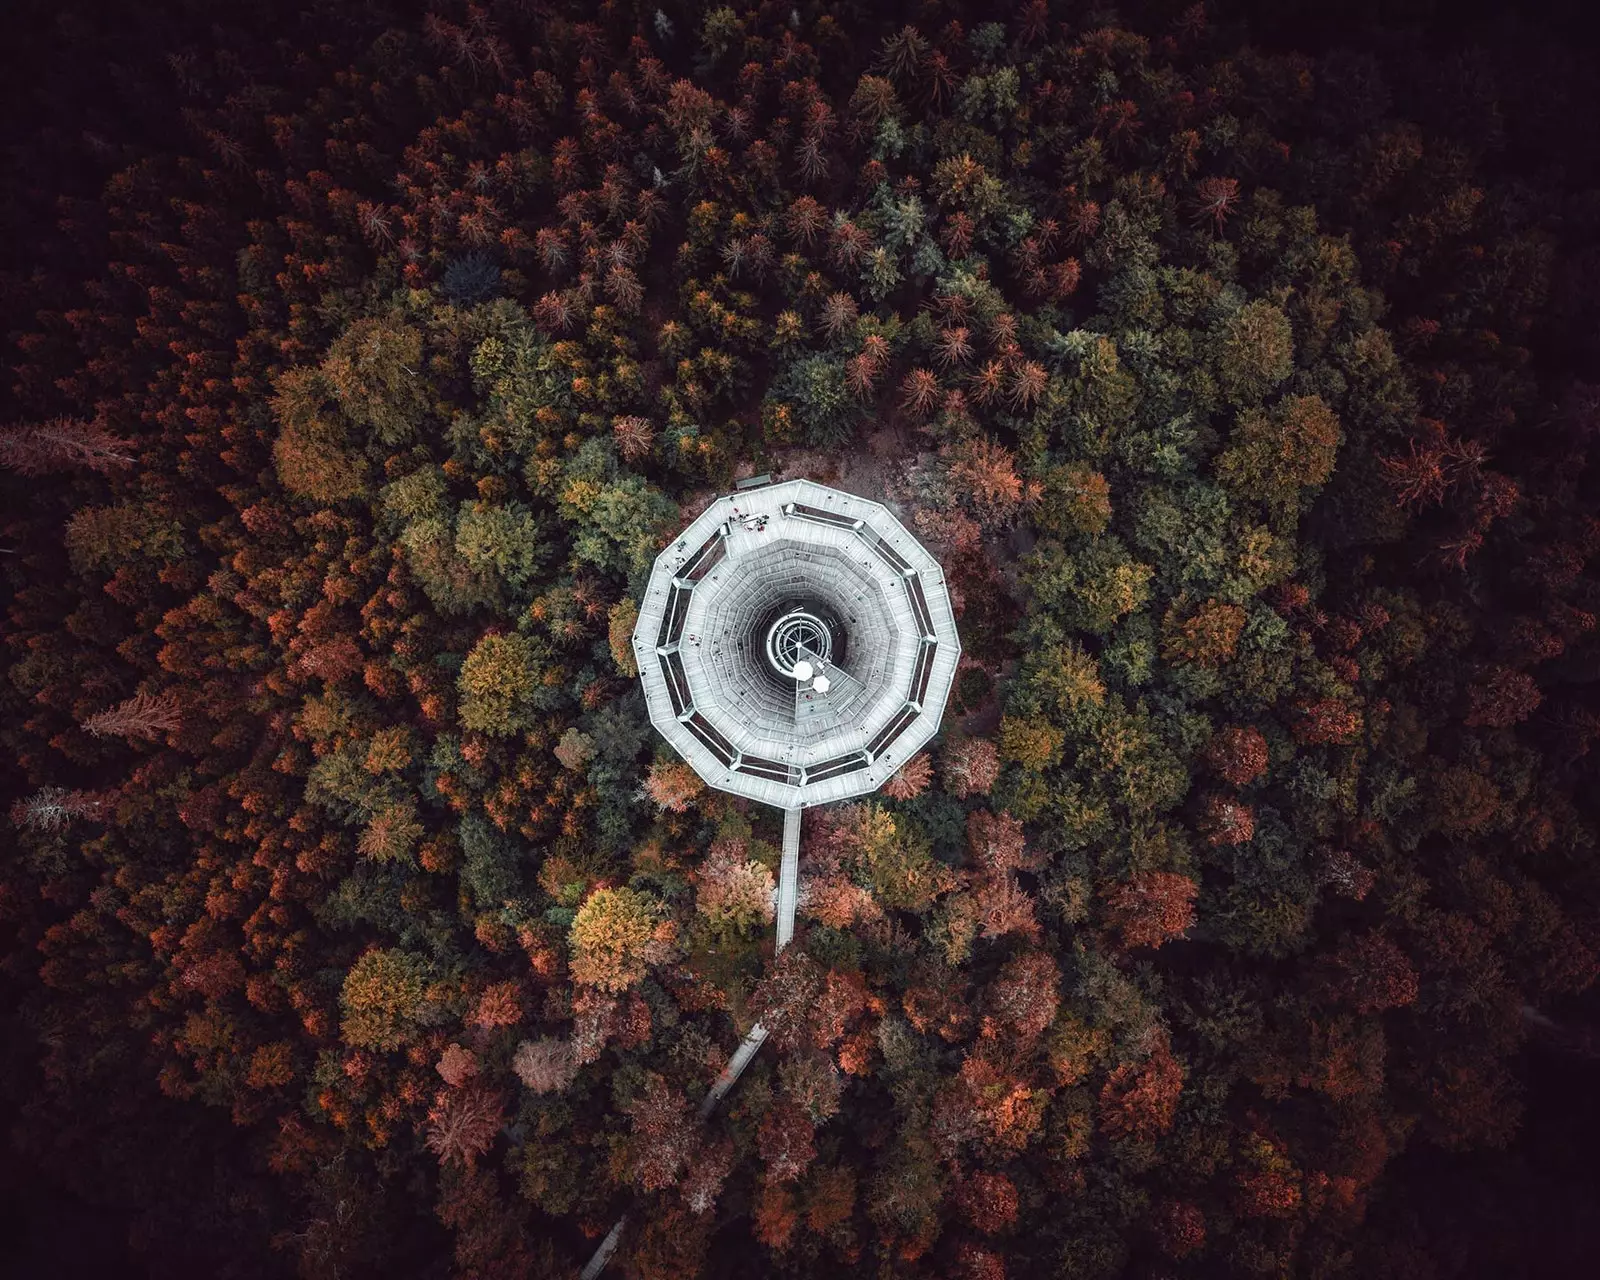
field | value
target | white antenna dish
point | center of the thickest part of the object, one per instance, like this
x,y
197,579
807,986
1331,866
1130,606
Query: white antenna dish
x,y
802,671
820,684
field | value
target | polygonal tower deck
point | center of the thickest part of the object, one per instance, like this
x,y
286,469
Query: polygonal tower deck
x,y
796,644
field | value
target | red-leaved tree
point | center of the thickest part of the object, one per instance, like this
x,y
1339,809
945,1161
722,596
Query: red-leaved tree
x,y
1238,754
1140,1099
1151,907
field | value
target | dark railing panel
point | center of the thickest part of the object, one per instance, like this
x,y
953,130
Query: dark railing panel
x,y
837,767
886,553
703,561
923,671
919,605
902,721
677,682
773,770
672,620
818,516
707,733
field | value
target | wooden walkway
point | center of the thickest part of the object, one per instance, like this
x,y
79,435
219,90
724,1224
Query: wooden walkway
x,y
788,877
788,899
602,1255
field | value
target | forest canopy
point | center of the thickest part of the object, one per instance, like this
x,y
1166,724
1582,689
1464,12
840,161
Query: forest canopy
x,y
355,920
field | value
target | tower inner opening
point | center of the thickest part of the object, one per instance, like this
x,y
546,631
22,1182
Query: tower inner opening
x,y
794,638
794,630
